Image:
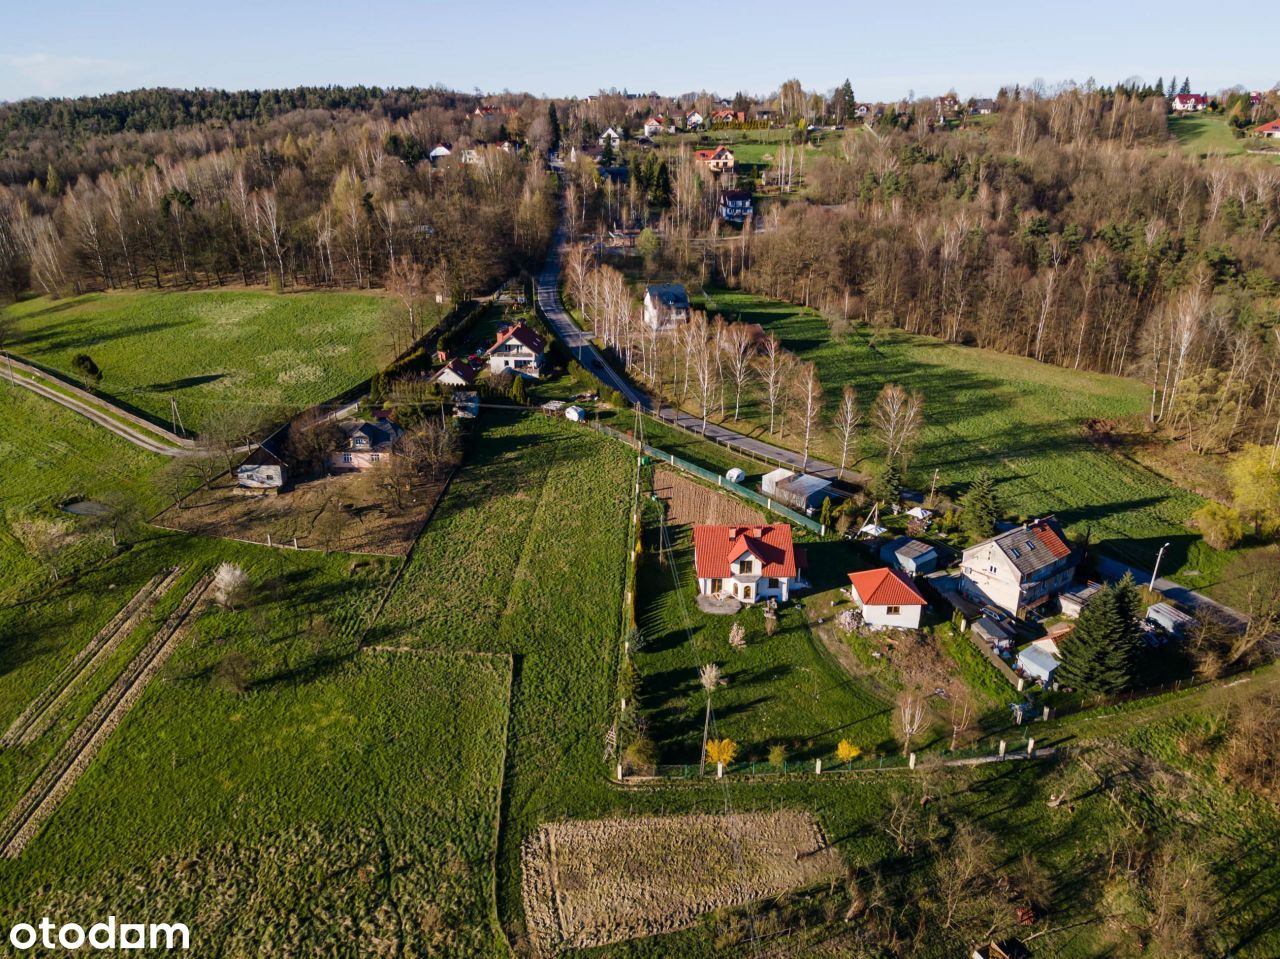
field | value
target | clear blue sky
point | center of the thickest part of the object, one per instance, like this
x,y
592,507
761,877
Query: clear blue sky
x,y
569,47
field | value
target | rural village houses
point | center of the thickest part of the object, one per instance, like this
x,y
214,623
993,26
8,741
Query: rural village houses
x,y
518,349
1021,569
747,563
457,372
666,306
886,598
1190,102
366,445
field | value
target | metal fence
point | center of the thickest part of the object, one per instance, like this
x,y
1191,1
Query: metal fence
x,y
772,505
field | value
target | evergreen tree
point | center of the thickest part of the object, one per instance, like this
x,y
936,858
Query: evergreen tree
x,y
1186,85
979,508
52,182
1099,656
888,485
824,517
1173,87
554,122
519,392
1159,88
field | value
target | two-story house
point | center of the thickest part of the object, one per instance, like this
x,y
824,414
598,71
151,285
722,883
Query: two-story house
x,y
666,306
1021,569
748,563
719,160
1189,103
518,349
366,445
735,205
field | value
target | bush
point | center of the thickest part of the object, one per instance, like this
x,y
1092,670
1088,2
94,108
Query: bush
x,y
640,758
777,754
1221,526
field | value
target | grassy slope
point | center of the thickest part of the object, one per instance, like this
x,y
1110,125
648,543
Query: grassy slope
x,y
1019,418
208,349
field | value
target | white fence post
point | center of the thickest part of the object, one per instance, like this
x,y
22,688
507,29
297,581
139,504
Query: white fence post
x,y
1003,746
620,772
817,767
719,770
268,539
1031,747
912,761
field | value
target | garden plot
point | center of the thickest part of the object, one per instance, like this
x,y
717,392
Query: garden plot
x,y
345,513
590,883
688,501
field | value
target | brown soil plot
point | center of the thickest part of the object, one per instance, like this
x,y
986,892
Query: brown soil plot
x,y
688,501
590,883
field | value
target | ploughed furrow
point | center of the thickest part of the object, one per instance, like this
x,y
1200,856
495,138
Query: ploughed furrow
x,y
40,712
56,780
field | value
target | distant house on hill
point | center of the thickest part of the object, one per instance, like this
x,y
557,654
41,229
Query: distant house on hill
x,y
719,160
735,205
887,599
728,116
366,445
1189,102
610,137
440,151
748,563
457,372
655,125
693,120
984,107
1019,570
666,306
518,349
947,106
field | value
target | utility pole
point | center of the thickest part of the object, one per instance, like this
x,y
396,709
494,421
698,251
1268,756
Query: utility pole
x,y
1159,556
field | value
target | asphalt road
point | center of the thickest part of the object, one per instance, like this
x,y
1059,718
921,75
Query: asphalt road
x,y
584,351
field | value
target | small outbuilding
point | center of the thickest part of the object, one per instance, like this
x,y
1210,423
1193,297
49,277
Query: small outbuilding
x,y
912,556
886,598
1076,598
1037,662
736,475
262,469
575,413
1169,618
993,633
797,490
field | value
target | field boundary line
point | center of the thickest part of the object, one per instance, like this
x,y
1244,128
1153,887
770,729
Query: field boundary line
x,y
57,779
44,718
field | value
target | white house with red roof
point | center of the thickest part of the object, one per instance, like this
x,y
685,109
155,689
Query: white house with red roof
x,y
457,372
1270,130
1189,102
1019,570
886,598
748,563
519,349
719,160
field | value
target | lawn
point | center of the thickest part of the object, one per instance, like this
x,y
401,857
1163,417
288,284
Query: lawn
x,y
783,689
1021,419
1204,134
52,455
254,354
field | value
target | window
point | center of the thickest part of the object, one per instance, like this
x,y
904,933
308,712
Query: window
x,y
992,569
746,566
746,591
1014,551
374,457
893,610
1030,546
773,582
347,458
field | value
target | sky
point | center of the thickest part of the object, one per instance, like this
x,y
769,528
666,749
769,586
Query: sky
x,y
573,48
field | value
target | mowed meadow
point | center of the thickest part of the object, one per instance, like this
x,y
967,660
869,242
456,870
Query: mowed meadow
x,y
1022,420
253,353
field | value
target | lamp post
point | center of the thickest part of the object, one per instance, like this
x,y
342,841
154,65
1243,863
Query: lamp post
x,y
1159,556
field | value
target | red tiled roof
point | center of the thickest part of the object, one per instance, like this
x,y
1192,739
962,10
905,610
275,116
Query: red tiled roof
x,y
1268,127
463,369
704,155
1048,535
715,547
885,587
522,335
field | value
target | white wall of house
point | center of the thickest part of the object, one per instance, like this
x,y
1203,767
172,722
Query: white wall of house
x,y
748,588
357,459
897,617
515,356
989,576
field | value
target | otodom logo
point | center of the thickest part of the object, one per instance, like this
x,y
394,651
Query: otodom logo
x,y
108,934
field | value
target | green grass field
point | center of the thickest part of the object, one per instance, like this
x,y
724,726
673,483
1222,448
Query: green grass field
x,y
1021,419
1201,134
253,353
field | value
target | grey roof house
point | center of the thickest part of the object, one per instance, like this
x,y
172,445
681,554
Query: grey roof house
x,y
909,555
666,305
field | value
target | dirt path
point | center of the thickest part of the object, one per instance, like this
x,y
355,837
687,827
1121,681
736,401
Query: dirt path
x,y
43,797
43,710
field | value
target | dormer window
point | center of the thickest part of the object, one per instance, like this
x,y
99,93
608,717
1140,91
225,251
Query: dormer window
x,y
1030,545
746,566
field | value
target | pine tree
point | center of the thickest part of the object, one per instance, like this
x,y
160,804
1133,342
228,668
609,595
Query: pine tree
x,y
888,485
979,508
1173,87
553,120
1099,656
1186,85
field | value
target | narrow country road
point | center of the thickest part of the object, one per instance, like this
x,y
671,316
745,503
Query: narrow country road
x,y
91,412
585,352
